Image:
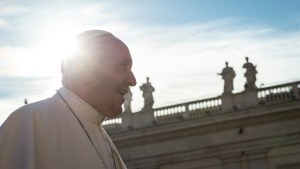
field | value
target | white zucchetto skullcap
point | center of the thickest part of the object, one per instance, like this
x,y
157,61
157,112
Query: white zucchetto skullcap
x,y
91,34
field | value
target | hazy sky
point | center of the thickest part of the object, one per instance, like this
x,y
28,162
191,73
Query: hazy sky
x,y
180,45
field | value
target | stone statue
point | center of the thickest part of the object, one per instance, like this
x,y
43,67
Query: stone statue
x,y
127,103
250,75
228,75
147,89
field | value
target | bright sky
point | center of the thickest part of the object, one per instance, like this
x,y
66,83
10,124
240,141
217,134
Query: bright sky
x,y
180,45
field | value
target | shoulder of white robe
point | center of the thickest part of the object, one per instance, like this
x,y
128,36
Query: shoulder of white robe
x,y
91,34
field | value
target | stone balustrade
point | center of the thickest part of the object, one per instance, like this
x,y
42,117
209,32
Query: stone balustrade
x,y
112,125
205,107
188,110
112,121
279,93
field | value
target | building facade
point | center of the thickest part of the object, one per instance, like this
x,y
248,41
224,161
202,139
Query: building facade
x,y
253,129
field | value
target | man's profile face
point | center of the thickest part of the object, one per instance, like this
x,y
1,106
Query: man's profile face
x,y
111,75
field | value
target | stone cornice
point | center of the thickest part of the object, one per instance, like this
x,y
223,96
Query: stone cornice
x,y
221,117
253,150
243,118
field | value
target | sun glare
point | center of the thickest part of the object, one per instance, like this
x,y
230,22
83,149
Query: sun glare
x,y
50,46
59,41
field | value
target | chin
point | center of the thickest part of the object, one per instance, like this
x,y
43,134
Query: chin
x,y
115,113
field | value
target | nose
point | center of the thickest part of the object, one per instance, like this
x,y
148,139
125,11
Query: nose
x,y
131,79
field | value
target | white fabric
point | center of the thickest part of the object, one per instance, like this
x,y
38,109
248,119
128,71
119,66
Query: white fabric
x,y
47,135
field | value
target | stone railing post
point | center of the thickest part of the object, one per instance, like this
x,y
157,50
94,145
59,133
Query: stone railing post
x,y
143,118
296,91
185,114
126,120
227,102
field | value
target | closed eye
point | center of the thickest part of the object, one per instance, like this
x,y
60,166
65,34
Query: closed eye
x,y
124,66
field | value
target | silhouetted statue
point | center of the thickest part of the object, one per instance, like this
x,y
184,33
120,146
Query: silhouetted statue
x,y
147,89
228,75
127,103
250,75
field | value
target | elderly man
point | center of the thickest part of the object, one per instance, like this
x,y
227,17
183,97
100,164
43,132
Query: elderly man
x,y
64,132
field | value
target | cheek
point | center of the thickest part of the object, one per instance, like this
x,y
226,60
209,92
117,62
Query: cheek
x,y
104,80
116,80
109,79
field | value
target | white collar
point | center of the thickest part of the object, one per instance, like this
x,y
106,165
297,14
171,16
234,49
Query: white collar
x,y
80,107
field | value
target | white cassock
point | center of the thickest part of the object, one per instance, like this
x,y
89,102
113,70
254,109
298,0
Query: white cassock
x,y
53,134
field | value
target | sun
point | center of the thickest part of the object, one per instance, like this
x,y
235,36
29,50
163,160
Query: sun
x,y
58,40
51,44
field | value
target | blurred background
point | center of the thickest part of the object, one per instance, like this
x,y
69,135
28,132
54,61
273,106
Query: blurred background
x,y
180,45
